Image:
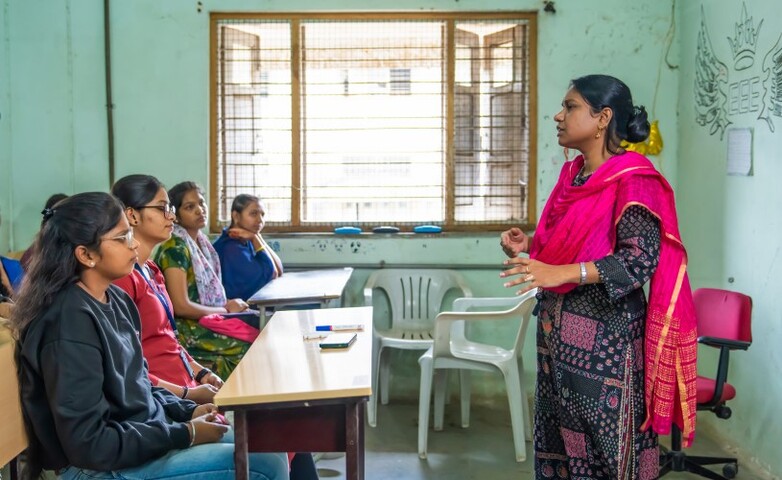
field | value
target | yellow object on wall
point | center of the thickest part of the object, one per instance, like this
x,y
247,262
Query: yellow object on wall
x,y
652,146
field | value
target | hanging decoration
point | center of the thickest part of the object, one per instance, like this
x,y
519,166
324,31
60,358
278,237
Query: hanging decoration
x,y
652,146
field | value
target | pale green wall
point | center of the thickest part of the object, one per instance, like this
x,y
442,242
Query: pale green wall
x,y
732,225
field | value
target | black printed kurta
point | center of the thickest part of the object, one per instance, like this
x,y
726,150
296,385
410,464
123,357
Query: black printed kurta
x,y
589,400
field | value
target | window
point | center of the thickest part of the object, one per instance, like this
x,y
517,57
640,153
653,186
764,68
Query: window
x,y
365,119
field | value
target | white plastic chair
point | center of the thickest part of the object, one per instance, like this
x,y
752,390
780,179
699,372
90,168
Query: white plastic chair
x,y
452,350
416,297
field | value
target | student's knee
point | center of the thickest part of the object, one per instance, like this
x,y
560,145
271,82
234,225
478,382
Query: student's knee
x,y
269,466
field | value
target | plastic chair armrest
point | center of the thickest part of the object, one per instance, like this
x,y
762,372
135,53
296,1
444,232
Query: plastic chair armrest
x,y
466,303
724,342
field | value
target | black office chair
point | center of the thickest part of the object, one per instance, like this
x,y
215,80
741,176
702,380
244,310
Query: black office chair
x,y
724,322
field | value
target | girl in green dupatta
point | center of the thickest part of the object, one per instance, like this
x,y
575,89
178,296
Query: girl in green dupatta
x,y
193,280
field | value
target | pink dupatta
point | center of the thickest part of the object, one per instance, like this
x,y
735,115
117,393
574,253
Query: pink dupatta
x,y
578,224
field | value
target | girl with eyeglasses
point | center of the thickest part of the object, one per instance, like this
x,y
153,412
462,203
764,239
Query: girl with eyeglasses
x,y
171,366
89,408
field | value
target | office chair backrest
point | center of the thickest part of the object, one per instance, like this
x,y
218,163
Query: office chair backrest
x,y
723,314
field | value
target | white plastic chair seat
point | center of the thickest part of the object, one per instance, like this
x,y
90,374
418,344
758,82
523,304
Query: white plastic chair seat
x,y
416,297
451,350
479,352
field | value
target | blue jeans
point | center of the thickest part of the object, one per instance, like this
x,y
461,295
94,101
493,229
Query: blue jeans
x,y
211,461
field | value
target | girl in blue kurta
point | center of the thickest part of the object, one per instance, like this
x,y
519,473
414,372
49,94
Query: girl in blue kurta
x,y
247,261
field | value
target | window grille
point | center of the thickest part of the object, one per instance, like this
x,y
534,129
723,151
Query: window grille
x,y
351,119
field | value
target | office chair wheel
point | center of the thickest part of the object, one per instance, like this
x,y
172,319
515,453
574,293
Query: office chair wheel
x,y
730,470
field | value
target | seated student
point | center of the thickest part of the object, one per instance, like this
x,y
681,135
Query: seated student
x,y
193,280
89,408
50,202
170,365
6,293
247,261
10,278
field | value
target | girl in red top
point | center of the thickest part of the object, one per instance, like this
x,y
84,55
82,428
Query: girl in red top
x,y
170,366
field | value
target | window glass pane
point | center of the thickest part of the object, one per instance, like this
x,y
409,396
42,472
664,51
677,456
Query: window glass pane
x,y
491,138
254,115
372,134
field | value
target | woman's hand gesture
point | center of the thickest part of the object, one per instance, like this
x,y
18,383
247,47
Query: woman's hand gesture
x,y
536,274
514,242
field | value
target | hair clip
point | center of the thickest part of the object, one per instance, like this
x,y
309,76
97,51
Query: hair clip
x,y
47,213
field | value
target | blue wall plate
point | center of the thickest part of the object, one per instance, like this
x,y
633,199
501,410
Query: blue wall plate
x,y
347,230
427,229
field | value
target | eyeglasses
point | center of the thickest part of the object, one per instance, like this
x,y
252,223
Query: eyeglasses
x,y
167,209
127,238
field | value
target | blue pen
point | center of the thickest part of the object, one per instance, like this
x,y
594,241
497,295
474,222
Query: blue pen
x,y
336,328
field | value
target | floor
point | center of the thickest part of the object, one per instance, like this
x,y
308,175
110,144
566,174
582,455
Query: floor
x,y
482,451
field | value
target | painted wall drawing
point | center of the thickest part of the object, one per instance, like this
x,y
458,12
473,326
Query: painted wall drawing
x,y
723,96
711,81
772,84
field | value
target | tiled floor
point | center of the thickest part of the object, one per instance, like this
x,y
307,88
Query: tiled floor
x,y
483,451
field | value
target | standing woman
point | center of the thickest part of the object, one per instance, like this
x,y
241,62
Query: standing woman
x,y
247,261
192,272
170,365
89,408
613,371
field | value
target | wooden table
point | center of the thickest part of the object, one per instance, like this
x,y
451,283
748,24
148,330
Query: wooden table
x,y
300,288
288,395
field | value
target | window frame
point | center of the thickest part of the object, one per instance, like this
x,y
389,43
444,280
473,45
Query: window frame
x,y
450,18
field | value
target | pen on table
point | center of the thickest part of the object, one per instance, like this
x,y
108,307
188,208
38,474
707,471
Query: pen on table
x,y
315,335
335,328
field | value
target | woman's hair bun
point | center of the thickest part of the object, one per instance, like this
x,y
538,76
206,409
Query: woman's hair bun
x,y
638,125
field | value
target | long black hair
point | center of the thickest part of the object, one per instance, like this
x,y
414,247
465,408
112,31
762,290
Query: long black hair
x,y
81,219
136,190
241,202
629,122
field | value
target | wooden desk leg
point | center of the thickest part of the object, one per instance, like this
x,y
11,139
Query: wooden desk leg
x,y
361,417
354,448
240,445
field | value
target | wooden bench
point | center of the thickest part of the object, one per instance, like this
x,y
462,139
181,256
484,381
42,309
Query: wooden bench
x,y
12,436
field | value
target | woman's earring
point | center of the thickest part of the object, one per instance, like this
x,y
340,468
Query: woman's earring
x,y
92,264
599,131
